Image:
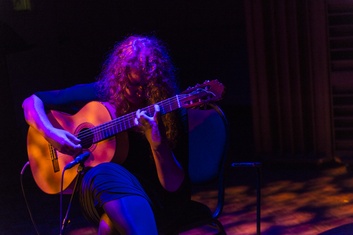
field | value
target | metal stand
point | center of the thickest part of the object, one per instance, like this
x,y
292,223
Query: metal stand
x,y
64,221
257,165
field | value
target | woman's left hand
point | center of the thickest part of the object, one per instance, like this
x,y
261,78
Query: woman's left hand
x,y
152,126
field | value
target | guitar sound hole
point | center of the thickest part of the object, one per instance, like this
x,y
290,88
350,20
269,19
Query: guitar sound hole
x,y
86,137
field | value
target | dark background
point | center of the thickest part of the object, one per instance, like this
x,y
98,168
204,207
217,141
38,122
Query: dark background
x,y
61,43
58,44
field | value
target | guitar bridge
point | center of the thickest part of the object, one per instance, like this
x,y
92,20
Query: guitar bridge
x,y
54,159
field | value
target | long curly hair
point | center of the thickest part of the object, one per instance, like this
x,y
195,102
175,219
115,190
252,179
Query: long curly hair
x,y
149,56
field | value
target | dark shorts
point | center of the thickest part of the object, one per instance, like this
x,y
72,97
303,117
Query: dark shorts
x,y
106,182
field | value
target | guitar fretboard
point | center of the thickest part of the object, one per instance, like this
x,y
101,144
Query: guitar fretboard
x,y
200,95
115,126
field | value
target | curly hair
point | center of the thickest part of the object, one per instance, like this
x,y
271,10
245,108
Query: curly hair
x,y
149,56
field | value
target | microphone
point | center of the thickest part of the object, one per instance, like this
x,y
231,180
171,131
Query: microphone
x,y
79,159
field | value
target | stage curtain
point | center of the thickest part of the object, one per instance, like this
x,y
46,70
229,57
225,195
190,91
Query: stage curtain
x,y
290,84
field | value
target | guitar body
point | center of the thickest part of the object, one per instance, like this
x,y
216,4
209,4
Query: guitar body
x,y
47,164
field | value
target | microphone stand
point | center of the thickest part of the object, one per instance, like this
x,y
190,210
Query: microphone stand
x,y
63,221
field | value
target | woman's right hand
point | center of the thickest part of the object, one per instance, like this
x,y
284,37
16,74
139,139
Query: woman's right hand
x,y
63,141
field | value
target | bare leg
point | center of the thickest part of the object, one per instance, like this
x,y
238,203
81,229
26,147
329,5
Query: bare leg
x,y
131,215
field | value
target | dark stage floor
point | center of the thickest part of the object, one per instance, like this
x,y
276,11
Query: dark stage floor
x,y
295,200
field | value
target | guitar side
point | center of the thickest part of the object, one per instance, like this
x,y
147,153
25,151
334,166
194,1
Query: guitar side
x,y
47,164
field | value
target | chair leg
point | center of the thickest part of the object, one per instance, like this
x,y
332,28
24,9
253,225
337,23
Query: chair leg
x,y
257,165
258,201
219,226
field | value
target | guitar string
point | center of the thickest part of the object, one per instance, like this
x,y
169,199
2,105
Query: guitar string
x,y
126,119
101,131
170,102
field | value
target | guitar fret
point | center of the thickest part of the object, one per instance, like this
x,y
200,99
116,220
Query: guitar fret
x,y
178,101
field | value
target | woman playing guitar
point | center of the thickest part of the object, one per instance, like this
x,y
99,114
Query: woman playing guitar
x,y
149,187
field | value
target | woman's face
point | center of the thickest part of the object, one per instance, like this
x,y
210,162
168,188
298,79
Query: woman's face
x,y
134,91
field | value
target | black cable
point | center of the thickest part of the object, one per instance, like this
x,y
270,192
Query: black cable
x,y
25,198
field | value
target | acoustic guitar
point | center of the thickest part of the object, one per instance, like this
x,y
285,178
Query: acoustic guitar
x,y
100,133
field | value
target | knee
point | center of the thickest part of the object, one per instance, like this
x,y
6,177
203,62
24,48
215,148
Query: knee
x,y
106,226
131,215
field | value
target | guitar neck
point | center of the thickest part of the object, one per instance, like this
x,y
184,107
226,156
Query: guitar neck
x,y
125,122
203,93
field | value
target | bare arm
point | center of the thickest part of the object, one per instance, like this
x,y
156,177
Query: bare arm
x,y
36,116
170,172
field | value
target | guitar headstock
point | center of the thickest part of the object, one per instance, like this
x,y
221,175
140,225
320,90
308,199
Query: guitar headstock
x,y
207,92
